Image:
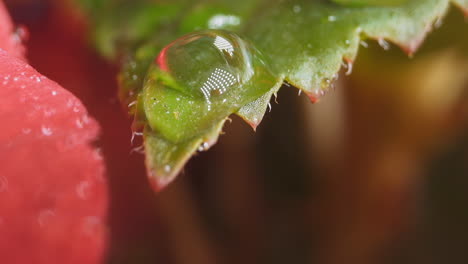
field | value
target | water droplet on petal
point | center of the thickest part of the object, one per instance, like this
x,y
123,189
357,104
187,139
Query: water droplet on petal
x,y
46,131
82,190
45,216
3,184
79,123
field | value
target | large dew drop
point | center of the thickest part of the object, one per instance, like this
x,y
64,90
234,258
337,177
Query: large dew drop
x,y
199,79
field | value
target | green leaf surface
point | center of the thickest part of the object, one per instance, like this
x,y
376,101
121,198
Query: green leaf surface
x,y
302,42
361,3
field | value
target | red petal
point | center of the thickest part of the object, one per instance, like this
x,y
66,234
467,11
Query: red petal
x,y
9,40
53,197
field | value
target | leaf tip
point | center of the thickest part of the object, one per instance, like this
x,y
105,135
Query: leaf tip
x,y
313,97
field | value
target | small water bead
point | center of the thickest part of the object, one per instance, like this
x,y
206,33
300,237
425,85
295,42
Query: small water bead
x,y
297,9
83,190
46,131
3,184
203,146
202,78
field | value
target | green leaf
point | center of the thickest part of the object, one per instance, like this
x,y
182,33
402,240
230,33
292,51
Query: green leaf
x,y
370,2
302,42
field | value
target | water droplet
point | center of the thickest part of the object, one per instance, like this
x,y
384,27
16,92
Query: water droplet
x,y
46,131
203,77
97,154
332,18
297,9
45,216
21,34
70,103
82,190
203,146
79,123
3,184
167,168
49,112
54,93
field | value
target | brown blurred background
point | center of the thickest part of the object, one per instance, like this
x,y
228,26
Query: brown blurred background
x,y
375,173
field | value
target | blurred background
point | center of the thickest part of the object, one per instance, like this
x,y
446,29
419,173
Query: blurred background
x,y
375,173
